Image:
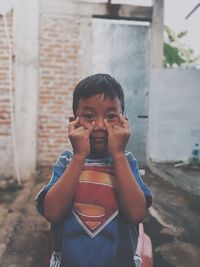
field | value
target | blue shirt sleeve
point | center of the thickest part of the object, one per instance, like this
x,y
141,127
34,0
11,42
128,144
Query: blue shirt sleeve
x,y
58,169
134,167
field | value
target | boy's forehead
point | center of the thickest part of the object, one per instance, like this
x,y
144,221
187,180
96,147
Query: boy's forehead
x,y
98,101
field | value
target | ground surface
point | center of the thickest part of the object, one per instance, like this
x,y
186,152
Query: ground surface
x,y
27,243
172,223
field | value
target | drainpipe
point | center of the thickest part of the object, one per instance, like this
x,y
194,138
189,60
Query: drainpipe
x,y
6,7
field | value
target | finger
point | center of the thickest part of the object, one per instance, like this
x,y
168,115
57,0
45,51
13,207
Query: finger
x,y
123,120
117,127
73,124
76,132
108,126
72,118
79,129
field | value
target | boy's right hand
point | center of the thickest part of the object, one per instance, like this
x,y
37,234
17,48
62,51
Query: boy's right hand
x,y
80,137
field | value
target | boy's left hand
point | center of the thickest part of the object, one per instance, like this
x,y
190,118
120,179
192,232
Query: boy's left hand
x,y
118,135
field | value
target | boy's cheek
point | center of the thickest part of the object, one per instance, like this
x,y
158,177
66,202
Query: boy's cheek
x,y
84,123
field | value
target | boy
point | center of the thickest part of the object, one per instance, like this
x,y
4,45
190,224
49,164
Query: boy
x,y
95,191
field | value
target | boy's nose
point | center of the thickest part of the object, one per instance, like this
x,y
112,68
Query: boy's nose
x,y
99,123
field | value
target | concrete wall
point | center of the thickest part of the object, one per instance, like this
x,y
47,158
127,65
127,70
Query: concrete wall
x,y
52,49
67,48
47,35
6,152
18,136
129,63
26,24
174,115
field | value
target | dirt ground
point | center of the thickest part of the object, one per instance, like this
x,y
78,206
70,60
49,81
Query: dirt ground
x,y
172,223
27,244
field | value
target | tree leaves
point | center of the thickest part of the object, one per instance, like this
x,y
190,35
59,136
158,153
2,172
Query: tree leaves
x,y
176,53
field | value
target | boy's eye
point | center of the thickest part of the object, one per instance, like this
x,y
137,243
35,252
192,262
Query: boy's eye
x,y
112,117
88,116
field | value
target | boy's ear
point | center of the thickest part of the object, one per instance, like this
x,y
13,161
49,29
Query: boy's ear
x,y
71,118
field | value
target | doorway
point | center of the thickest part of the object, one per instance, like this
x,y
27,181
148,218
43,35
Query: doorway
x,y
121,48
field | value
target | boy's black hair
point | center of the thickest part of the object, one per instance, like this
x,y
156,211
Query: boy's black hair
x,y
100,83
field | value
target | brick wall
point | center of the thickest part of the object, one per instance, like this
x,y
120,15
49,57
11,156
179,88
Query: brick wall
x,y
6,158
59,71
59,46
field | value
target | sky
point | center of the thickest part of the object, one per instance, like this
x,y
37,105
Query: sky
x,y
175,12
5,6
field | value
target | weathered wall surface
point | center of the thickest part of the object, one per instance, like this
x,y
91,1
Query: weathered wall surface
x,y
57,52
64,58
174,121
126,57
25,71
59,46
44,78
6,156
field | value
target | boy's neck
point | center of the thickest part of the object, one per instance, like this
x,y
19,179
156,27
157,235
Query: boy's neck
x,y
94,155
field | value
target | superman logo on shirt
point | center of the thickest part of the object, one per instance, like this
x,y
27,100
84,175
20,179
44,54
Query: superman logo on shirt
x,y
95,201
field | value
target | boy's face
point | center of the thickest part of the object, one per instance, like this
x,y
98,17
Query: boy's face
x,y
97,108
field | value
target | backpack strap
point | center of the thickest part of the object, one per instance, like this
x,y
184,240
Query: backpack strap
x,y
57,235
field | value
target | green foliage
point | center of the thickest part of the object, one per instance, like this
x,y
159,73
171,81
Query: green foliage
x,y
172,55
181,34
176,53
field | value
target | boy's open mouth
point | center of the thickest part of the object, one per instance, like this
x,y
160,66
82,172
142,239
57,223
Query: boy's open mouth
x,y
99,139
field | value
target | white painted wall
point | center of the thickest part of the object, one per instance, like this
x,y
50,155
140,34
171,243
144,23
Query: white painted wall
x,y
174,114
26,23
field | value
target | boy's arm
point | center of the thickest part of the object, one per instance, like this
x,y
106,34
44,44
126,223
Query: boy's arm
x,y
60,196
131,197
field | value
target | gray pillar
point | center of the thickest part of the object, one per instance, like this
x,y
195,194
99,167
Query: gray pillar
x,y
156,50
156,60
26,24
